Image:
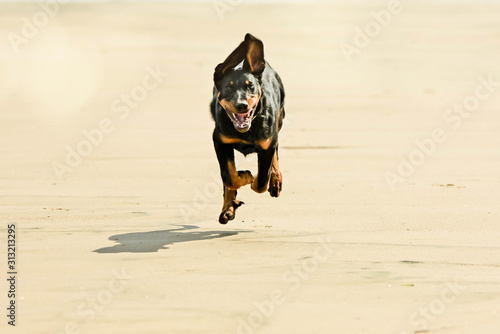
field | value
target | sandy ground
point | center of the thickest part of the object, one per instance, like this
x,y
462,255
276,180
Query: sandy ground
x,y
124,237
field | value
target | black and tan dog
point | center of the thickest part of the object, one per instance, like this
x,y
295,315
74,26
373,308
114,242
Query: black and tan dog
x,y
248,109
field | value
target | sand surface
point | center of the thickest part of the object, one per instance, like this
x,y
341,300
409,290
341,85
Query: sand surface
x,y
124,238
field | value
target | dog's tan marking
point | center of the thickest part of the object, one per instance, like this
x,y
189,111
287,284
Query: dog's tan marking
x,y
231,83
229,207
229,197
229,106
276,180
253,100
238,178
255,185
264,144
247,82
229,140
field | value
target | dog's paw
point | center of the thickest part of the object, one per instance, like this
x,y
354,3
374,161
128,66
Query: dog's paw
x,y
256,188
275,185
228,214
225,217
245,176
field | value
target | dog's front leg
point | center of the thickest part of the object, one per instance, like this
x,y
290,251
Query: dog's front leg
x,y
230,205
231,179
265,158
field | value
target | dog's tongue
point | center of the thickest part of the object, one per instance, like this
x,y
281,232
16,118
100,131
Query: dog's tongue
x,y
241,117
242,120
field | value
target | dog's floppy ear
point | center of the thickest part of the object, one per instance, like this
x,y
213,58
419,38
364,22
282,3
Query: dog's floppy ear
x,y
251,51
254,60
231,61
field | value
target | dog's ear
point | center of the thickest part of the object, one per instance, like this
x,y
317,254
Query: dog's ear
x,y
236,57
250,51
254,60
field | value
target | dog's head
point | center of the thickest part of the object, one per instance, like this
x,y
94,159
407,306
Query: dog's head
x,y
238,82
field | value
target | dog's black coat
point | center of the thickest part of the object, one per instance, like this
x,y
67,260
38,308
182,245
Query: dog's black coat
x,y
244,77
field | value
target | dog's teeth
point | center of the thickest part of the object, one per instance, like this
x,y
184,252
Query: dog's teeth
x,y
241,121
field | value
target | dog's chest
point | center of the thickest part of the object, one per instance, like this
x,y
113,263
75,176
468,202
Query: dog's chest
x,y
262,144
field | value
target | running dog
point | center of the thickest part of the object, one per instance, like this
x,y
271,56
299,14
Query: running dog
x,y
248,110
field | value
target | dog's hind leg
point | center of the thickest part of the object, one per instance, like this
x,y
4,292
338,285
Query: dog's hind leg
x,y
276,180
230,205
265,159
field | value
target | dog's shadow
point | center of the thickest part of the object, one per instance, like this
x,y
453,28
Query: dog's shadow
x,y
152,241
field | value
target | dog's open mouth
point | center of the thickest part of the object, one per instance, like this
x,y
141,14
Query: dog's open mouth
x,y
241,121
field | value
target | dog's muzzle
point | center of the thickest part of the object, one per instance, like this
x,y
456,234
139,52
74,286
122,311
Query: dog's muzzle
x,y
241,121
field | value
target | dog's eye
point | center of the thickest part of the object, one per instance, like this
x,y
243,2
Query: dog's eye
x,y
229,88
250,86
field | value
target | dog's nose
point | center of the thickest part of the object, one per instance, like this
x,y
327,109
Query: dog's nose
x,y
241,106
